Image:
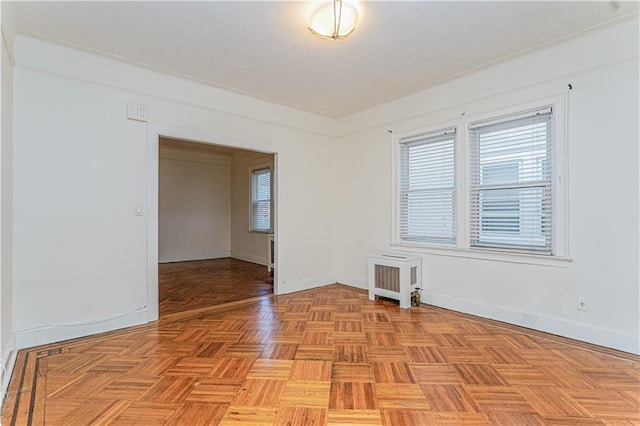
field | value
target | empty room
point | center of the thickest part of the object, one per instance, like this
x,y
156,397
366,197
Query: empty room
x,y
320,212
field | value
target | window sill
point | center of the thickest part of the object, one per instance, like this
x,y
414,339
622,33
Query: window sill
x,y
491,255
252,231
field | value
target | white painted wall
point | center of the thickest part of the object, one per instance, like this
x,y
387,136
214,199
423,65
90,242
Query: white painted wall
x,y
81,168
194,206
246,245
7,343
79,173
603,190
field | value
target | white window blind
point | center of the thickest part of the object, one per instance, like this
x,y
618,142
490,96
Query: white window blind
x,y
511,183
428,188
261,200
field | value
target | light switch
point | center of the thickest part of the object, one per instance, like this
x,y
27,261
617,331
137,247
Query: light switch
x,y
138,210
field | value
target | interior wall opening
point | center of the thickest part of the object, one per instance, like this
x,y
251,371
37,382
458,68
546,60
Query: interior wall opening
x,y
215,225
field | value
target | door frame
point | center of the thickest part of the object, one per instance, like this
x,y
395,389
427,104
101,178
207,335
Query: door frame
x,y
154,133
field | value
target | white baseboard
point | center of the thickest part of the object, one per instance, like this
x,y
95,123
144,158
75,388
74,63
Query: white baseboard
x,y
248,257
354,282
9,354
194,256
561,327
558,326
57,333
306,284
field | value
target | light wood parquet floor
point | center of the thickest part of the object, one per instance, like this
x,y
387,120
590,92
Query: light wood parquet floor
x,y
326,356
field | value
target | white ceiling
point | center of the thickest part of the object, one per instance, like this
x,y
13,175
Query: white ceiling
x,y
264,49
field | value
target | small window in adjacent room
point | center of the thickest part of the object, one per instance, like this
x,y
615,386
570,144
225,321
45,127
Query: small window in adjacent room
x,y
427,197
511,183
261,200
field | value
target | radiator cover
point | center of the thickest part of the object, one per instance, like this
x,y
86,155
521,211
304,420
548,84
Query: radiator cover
x,y
394,276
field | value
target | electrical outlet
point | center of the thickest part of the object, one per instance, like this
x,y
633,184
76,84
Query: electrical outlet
x,y
583,304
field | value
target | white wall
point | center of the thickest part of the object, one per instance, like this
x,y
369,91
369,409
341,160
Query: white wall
x,y
246,245
603,191
7,343
81,168
194,206
79,173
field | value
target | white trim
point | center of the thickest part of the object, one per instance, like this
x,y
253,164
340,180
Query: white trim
x,y
247,257
485,254
353,282
508,117
417,137
154,133
561,327
9,355
483,84
305,284
188,135
153,172
57,333
558,326
278,255
49,58
196,256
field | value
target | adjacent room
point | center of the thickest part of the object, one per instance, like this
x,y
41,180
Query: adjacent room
x,y
320,212
214,225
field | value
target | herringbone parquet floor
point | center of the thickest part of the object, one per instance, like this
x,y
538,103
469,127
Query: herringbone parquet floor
x,y
323,356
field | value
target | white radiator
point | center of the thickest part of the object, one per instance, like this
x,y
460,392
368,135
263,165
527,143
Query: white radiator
x,y
394,276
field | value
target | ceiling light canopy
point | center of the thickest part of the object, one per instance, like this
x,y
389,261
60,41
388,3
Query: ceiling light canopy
x,y
334,19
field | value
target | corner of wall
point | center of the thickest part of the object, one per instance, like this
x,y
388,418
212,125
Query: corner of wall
x,y
294,286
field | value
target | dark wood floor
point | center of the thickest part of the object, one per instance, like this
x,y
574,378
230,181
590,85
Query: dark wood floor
x,y
190,285
323,356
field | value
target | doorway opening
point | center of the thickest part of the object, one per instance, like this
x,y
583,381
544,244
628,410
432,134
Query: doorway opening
x,y
216,210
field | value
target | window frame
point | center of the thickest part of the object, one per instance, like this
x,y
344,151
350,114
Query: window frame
x,y
462,248
252,173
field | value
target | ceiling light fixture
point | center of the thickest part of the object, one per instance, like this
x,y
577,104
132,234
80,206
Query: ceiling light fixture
x,y
333,20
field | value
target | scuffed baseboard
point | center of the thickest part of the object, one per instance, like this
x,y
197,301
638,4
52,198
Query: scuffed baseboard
x,y
58,333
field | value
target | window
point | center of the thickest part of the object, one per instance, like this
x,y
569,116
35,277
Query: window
x,y
427,188
491,186
261,200
510,187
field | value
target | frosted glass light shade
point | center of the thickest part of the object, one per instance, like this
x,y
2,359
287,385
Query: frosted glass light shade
x,y
334,19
